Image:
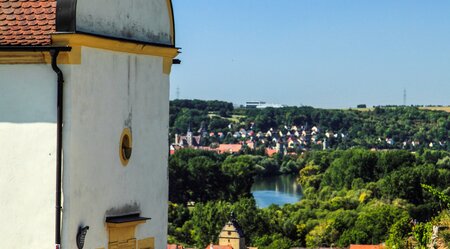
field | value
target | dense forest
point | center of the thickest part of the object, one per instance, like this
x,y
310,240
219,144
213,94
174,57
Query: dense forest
x,y
350,196
360,189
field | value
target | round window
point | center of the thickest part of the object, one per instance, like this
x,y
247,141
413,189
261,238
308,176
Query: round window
x,y
125,146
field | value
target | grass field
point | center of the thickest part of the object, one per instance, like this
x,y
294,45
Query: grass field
x,y
431,108
363,109
437,108
234,118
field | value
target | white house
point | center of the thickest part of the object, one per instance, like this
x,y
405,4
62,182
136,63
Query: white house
x,y
84,104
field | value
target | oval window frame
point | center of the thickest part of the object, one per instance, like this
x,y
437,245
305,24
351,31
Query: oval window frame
x,y
125,146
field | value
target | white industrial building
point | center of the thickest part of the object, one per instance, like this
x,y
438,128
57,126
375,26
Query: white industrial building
x,y
261,105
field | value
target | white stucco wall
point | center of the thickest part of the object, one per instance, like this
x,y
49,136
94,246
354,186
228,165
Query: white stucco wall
x,y
106,93
27,156
141,20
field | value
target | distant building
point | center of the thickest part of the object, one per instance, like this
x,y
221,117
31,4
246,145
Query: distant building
x,y
212,246
254,104
232,235
174,246
229,148
367,247
189,140
261,104
270,152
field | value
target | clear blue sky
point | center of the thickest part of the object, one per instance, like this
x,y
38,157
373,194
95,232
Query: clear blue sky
x,y
334,53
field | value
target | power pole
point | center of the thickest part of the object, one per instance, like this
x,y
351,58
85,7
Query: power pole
x,y
404,97
178,92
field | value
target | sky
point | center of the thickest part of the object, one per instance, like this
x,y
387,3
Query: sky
x,y
321,53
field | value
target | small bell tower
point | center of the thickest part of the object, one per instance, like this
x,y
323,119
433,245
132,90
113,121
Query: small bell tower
x,y
232,234
189,135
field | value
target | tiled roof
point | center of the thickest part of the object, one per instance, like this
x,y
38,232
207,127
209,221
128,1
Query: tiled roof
x,y
27,22
218,247
229,148
174,246
270,152
366,246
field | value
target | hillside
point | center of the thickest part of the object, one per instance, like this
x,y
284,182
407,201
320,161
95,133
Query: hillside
x,y
351,196
410,128
380,175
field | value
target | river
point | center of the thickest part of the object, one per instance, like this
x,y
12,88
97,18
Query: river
x,y
277,190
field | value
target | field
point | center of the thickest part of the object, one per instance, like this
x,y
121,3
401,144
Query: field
x,y
234,118
437,108
431,108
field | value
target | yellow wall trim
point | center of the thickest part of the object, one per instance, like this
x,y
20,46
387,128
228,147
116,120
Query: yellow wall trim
x,y
122,235
41,57
76,41
148,243
22,57
167,65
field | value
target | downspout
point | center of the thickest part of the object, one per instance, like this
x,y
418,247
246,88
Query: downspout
x,y
54,53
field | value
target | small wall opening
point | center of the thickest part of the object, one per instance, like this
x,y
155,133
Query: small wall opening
x,y
125,146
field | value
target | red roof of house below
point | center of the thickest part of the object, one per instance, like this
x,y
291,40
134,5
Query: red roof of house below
x,y
229,148
218,247
27,22
174,246
366,246
270,152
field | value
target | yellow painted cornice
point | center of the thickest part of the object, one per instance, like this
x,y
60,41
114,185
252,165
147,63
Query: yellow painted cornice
x,y
74,40
40,57
13,57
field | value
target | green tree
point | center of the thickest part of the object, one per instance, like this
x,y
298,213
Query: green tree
x,y
239,172
422,233
373,224
209,218
399,233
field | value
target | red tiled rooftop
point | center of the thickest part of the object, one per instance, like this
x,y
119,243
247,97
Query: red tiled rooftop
x,y
229,148
218,247
366,246
270,152
174,246
27,22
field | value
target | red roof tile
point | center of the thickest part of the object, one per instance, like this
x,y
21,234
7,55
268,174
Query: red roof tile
x,y
27,22
229,148
218,247
270,152
366,246
174,246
